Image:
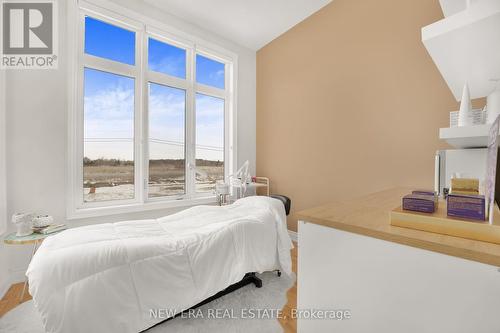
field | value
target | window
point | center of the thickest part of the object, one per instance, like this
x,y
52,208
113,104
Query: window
x,y
108,159
210,72
167,108
153,122
108,41
209,142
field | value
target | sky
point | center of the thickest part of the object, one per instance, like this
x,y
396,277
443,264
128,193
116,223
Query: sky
x,y
109,100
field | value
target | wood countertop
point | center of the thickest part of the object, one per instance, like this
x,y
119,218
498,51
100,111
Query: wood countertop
x,y
370,216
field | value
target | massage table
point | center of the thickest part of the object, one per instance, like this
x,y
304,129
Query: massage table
x,y
111,277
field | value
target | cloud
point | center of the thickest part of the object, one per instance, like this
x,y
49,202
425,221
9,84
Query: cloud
x,y
167,101
116,103
208,108
109,114
217,75
174,66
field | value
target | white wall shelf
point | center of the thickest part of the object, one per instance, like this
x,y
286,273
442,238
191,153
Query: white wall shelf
x,y
466,136
465,47
451,7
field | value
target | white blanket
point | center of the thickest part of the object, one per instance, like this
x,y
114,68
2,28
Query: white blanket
x,y
117,277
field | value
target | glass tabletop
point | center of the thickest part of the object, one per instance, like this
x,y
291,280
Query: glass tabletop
x,y
34,237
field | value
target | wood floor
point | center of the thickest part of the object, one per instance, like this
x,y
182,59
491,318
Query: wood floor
x,y
290,324
11,300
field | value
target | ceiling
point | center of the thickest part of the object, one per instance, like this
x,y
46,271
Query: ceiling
x,y
251,23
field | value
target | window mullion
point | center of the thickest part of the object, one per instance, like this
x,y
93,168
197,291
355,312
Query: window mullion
x,y
211,91
111,66
167,80
145,119
140,120
228,148
190,125
78,126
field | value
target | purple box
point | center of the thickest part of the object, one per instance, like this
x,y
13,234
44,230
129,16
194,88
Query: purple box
x,y
466,206
420,203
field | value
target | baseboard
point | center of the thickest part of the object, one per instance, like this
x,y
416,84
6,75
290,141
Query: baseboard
x,y
294,236
4,286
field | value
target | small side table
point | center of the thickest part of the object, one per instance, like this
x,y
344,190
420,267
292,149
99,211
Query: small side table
x,y
35,239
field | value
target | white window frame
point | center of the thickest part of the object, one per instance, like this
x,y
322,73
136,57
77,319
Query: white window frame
x,y
144,28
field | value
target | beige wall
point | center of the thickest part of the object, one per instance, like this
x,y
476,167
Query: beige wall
x,y
349,102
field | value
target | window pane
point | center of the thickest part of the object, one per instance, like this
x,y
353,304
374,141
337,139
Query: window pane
x,y
166,140
108,164
108,41
209,142
167,59
209,72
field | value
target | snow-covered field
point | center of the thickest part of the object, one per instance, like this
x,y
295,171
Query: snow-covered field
x,y
106,183
126,191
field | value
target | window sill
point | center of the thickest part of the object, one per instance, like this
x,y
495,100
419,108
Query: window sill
x,y
82,213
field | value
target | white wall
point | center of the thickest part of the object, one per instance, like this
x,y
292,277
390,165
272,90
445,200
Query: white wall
x,y
37,131
4,277
3,197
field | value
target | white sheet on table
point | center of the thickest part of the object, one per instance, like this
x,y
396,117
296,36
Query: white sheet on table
x,y
108,277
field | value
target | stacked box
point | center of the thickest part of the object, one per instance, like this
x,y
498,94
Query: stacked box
x,y
423,203
466,206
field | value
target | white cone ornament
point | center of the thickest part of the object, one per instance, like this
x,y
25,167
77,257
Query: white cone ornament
x,y
464,114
